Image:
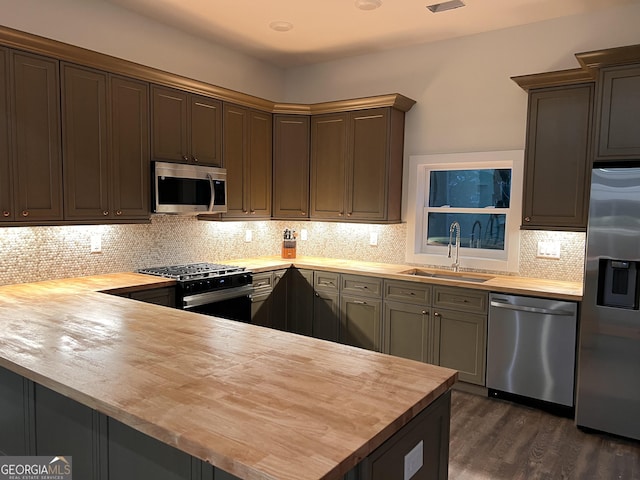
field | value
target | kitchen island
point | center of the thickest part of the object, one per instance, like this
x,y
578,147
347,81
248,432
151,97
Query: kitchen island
x,y
253,402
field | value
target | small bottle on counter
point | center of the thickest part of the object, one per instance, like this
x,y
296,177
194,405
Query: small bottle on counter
x,y
289,243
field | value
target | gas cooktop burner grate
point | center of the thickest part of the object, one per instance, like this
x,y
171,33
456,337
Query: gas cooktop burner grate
x,y
192,271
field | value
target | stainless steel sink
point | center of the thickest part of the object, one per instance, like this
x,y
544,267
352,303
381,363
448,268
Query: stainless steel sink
x,y
446,276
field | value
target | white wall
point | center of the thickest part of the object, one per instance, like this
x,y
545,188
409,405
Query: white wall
x,y
110,29
466,100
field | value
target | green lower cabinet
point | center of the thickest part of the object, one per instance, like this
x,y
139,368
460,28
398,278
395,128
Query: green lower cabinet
x,y
361,322
408,331
461,340
300,301
16,394
279,296
326,315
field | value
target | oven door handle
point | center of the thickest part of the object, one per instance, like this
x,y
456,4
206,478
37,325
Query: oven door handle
x,y
205,298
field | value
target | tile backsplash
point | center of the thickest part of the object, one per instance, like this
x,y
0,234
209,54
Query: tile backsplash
x,y
29,254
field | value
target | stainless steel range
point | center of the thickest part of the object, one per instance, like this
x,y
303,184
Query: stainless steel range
x,y
209,288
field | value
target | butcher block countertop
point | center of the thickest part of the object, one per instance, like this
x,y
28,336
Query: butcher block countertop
x,y
556,289
258,403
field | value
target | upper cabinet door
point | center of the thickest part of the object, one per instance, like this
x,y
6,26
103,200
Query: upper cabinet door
x,y
6,187
236,126
619,118
130,170
206,131
84,127
367,164
557,160
260,163
36,146
291,166
328,165
169,134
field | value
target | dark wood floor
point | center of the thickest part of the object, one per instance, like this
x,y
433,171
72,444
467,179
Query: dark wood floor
x,y
499,440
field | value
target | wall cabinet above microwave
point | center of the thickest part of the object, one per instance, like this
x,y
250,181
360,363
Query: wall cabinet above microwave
x,y
186,127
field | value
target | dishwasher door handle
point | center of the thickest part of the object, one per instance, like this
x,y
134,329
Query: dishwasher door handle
x,y
523,308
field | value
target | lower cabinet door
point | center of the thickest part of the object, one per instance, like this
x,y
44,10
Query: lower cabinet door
x,y
361,322
261,310
408,331
300,300
14,414
460,343
326,315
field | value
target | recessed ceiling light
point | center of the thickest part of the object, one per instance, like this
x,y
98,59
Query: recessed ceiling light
x,y
281,26
368,4
444,6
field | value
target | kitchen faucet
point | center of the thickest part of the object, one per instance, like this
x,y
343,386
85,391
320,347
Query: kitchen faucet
x,y
476,243
454,226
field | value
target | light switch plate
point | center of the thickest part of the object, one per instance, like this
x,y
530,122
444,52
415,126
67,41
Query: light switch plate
x,y
548,249
304,234
96,243
373,239
413,461
248,235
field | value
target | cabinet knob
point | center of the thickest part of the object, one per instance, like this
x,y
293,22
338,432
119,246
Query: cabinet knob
x,y
349,214
436,314
118,212
5,213
253,212
303,213
341,214
25,213
527,219
424,312
317,294
246,212
194,158
185,158
105,213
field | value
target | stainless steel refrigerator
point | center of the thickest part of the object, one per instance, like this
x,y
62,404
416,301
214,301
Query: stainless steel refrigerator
x,y
608,393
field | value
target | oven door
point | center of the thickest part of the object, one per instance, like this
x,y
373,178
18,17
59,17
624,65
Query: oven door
x,y
231,303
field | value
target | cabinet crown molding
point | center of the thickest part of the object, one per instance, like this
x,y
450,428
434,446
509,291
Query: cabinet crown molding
x,y
17,39
590,63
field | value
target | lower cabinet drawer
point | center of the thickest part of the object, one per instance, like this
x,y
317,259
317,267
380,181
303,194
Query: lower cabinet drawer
x,y
407,292
461,299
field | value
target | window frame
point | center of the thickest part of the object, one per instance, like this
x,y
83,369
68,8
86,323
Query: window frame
x,y
506,260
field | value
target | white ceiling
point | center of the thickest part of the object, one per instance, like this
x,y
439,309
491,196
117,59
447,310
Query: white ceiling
x,y
329,29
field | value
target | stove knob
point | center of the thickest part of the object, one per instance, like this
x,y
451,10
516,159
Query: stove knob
x,y
188,287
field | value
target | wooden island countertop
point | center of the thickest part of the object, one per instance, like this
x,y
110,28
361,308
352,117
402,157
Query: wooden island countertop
x,y
255,402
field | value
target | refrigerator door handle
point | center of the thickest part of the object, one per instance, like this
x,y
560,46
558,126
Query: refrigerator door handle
x,y
523,308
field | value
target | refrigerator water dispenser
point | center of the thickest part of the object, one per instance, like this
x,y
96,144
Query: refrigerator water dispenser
x,y
618,283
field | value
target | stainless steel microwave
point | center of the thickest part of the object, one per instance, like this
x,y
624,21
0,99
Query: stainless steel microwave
x,y
185,189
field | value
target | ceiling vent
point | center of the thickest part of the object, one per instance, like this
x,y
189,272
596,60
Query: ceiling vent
x,y
444,6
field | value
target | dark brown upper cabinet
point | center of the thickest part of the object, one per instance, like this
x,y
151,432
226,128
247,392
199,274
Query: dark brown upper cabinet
x,y
105,146
186,127
619,113
247,147
558,158
6,183
291,136
31,166
356,165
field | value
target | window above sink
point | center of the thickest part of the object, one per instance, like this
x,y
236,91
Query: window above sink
x,y
482,192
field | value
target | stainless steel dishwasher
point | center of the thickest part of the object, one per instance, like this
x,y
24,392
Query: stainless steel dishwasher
x,y
531,348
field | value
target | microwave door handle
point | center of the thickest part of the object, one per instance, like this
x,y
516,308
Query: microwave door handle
x,y
213,193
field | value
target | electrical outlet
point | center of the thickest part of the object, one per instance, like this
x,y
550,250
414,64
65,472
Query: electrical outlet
x,y
304,234
548,249
96,243
248,235
413,461
373,239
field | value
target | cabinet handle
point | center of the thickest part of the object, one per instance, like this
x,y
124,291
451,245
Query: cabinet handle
x,y
5,214
527,219
195,159
105,213
359,302
25,213
360,286
436,314
185,158
408,293
119,212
